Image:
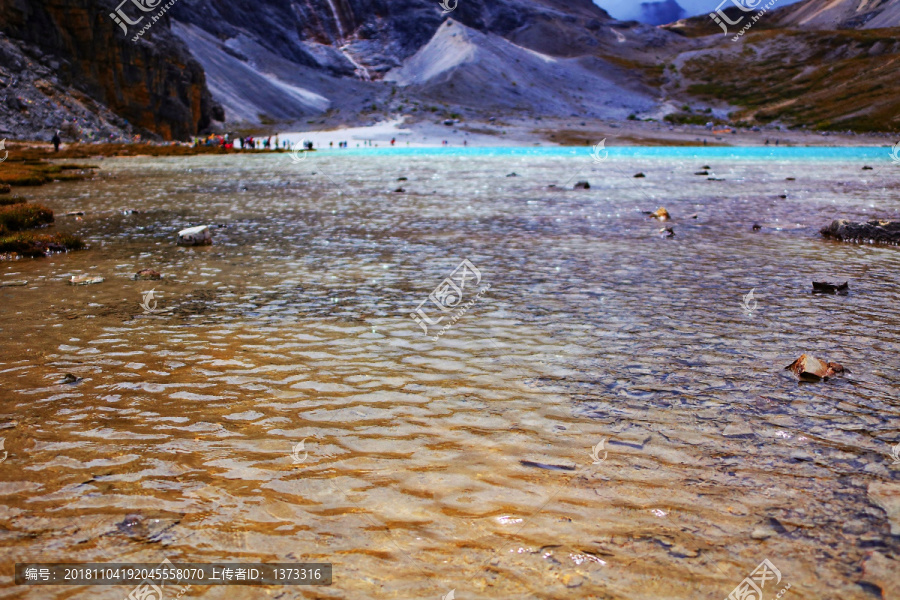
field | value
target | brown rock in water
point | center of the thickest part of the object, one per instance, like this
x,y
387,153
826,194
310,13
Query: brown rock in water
x,y
4,188
881,571
887,497
821,287
757,227
147,275
790,179
886,232
582,185
661,213
809,368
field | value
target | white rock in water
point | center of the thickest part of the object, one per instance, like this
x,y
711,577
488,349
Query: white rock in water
x,y
195,236
85,279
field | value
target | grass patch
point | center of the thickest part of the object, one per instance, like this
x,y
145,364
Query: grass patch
x,y
16,217
32,244
37,172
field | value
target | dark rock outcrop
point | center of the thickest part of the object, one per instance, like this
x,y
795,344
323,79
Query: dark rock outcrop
x,y
883,232
153,83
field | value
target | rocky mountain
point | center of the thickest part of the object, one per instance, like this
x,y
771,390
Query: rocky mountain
x,y
65,64
273,63
270,61
841,14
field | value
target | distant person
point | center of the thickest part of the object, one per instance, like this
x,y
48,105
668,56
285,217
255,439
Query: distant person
x,y
393,141
56,141
331,144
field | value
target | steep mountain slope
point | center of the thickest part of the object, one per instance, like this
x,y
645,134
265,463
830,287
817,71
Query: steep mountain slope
x,y
270,60
154,84
841,14
465,67
374,36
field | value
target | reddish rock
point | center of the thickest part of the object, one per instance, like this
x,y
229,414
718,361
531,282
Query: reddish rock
x,y
809,368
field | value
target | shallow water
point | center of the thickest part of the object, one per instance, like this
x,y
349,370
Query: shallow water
x,y
463,463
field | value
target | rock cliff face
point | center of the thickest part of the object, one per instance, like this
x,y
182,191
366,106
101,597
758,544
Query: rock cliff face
x,y
153,84
344,36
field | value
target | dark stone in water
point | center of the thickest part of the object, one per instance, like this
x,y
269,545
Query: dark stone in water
x,y
399,190
886,232
867,168
639,175
822,287
69,378
513,174
402,179
702,173
537,465
582,185
757,227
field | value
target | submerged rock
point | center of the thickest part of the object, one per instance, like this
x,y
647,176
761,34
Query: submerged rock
x,y
809,368
639,175
399,190
881,571
513,174
702,173
887,497
582,185
661,213
5,188
822,287
757,227
69,378
19,283
195,236
147,275
887,232
85,279
667,232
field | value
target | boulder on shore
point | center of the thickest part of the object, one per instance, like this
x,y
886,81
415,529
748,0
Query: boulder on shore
x,y
885,232
195,236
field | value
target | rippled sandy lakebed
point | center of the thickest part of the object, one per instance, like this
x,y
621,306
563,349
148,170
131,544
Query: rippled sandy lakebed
x,y
464,463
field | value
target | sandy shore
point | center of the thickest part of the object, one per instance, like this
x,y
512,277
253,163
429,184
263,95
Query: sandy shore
x,y
569,132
